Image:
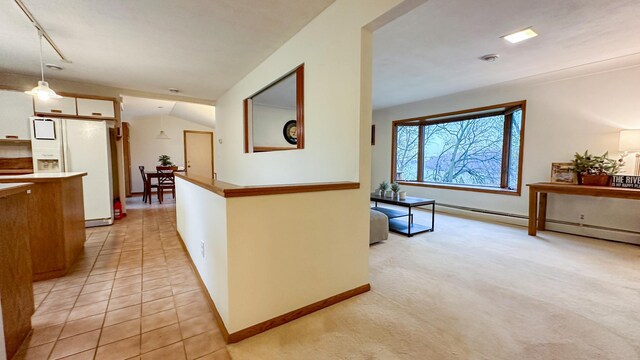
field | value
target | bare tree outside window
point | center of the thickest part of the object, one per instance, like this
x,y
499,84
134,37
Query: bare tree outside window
x,y
478,148
514,149
464,152
407,153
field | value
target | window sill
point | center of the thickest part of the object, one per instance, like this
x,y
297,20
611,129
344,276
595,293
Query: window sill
x,y
463,188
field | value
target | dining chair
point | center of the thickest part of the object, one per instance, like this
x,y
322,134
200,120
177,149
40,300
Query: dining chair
x,y
146,182
166,181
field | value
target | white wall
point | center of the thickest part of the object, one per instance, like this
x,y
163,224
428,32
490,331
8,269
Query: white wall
x,y
330,46
201,216
567,111
145,147
268,123
284,254
289,251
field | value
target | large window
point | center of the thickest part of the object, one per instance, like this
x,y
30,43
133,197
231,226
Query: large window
x,y
477,149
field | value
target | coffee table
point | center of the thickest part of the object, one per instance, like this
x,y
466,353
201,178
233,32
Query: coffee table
x,y
396,223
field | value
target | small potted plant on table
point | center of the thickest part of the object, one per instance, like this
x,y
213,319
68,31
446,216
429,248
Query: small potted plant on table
x,y
165,162
395,188
596,170
382,188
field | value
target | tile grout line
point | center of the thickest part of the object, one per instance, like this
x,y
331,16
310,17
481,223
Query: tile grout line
x,y
159,224
78,296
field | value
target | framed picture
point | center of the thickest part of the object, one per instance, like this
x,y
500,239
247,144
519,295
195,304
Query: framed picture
x,y
290,132
373,134
563,173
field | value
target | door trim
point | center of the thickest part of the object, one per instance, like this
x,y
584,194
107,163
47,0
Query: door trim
x,y
184,143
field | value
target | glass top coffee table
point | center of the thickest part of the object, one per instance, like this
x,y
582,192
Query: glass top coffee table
x,y
396,223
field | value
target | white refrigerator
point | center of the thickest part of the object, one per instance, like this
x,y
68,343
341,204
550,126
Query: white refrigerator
x,y
79,146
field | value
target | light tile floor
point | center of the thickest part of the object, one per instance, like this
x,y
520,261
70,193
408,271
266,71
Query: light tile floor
x,y
132,294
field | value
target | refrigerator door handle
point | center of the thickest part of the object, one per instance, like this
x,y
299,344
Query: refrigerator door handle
x,y
66,159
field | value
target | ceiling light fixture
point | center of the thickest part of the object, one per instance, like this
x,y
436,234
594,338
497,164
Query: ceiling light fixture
x,y
162,135
521,35
42,91
490,57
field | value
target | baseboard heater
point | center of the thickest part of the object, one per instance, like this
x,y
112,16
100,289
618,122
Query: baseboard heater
x,y
524,217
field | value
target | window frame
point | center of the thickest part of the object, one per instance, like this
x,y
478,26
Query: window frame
x,y
505,109
247,106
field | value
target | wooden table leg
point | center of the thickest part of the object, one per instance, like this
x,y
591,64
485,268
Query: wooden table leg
x,y
542,211
533,211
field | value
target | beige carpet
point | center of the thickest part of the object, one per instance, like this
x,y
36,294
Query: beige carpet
x,y
476,290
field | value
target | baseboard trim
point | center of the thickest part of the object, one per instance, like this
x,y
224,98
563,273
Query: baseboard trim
x,y
276,321
295,314
49,275
565,227
212,305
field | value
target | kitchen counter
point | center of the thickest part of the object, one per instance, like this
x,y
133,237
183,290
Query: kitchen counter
x,y
40,177
56,220
16,291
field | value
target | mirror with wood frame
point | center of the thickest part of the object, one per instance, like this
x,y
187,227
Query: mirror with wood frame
x,y
274,116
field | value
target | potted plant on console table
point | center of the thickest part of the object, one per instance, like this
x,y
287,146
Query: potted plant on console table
x,y
596,170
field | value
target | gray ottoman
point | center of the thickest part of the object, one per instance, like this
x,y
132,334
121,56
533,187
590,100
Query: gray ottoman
x,y
379,227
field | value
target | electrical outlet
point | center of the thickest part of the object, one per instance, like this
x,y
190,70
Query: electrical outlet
x,y
581,219
202,249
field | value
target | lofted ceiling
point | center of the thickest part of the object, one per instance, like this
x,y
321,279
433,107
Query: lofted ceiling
x,y
137,107
201,47
433,50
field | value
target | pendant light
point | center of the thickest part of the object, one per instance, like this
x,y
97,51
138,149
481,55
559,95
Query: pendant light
x,y
42,91
162,135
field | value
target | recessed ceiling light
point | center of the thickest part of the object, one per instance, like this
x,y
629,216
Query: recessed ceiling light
x,y
174,90
521,35
53,66
490,57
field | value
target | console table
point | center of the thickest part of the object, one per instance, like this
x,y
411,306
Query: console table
x,y
395,223
538,213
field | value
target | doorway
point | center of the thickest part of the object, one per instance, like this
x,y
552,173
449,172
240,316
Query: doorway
x,y
198,153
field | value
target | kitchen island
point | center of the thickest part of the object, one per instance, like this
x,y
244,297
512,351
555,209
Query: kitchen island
x,y
56,221
16,292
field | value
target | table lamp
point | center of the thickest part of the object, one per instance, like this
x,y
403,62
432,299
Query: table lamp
x,y
630,142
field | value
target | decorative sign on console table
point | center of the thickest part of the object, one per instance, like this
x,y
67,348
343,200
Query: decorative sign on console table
x,y
625,181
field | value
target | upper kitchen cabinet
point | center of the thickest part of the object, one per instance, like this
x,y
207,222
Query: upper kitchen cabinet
x,y
15,109
94,107
63,106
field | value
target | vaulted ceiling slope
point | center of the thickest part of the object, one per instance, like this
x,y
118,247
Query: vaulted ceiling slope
x,y
137,107
201,47
433,50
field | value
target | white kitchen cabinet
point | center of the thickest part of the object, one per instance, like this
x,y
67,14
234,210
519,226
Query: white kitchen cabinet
x,y
63,106
93,107
15,109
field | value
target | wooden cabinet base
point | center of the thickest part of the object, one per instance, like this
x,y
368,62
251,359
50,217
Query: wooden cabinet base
x,y
57,228
16,292
56,224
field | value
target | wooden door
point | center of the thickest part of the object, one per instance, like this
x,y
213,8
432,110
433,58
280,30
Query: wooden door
x,y
126,148
198,153
115,178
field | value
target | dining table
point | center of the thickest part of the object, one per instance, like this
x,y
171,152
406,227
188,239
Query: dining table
x,y
150,175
